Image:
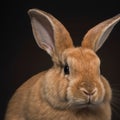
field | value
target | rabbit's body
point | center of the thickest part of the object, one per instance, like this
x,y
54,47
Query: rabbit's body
x,y
73,89
39,109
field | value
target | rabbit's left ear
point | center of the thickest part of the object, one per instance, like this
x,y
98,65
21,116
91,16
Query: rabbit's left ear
x,y
96,36
49,33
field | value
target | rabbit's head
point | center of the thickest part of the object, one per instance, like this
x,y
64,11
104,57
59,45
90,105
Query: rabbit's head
x,y
75,78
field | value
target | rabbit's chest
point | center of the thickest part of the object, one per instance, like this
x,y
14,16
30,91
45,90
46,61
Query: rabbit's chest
x,y
62,115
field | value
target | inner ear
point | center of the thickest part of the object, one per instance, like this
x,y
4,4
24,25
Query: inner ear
x,y
49,33
96,36
42,30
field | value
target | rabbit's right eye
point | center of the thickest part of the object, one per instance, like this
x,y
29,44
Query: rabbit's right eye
x,y
66,69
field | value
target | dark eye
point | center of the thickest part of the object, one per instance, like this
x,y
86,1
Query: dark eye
x,y
66,69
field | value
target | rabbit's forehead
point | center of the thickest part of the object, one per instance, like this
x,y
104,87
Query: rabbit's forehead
x,y
81,55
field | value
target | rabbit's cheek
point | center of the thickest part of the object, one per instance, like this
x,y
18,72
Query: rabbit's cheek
x,y
101,91
62,90
96,99
74,95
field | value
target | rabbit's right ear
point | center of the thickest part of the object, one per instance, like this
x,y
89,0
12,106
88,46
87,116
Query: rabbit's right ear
x,y
96,36
49,33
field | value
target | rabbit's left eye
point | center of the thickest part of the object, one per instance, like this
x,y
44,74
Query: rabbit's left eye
x,y
66,69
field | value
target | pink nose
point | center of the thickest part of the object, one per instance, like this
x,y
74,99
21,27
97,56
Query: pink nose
x,y
89,93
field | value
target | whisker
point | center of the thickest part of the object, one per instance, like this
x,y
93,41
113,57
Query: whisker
x,y
115,106
68,106
115,103
115,84
116,98
117,114
116,90
116,95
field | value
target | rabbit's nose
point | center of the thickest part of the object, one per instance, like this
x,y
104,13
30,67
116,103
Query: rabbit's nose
x,y
89,92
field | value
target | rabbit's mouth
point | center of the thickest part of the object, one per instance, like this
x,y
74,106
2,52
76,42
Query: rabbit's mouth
x,y
88,104
81,106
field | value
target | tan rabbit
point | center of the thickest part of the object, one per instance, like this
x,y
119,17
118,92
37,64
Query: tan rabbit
x,y
73,89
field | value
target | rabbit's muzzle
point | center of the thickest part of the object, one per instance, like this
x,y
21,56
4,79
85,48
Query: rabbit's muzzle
x,y
86,94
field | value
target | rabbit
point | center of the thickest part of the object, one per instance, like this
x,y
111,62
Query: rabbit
x,y
73,88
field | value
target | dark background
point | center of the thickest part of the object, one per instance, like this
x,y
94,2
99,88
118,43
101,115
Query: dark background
x,y
21,57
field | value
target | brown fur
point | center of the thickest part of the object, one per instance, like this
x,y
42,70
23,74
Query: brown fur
x,y
55,94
